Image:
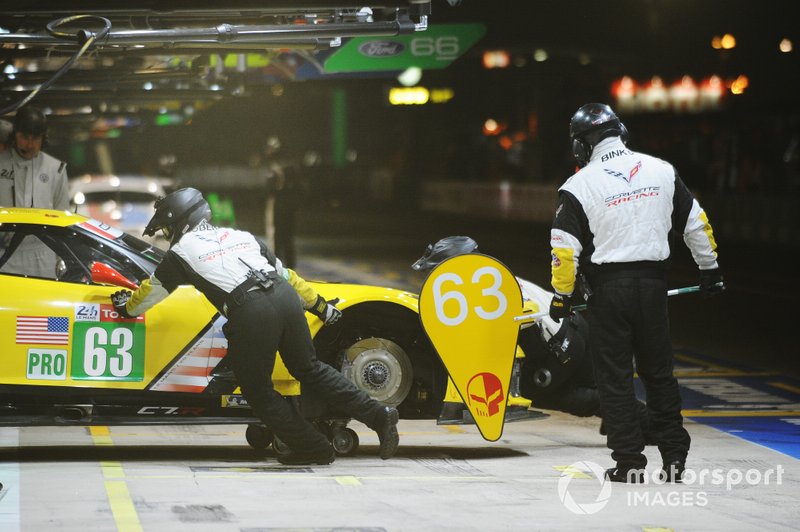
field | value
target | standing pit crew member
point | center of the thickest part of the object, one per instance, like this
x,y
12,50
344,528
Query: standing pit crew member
x,y
30,177
612,224
247,283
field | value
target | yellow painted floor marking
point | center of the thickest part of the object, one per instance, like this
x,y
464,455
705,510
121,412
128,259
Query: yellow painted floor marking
x,y
347,481
742,413
112,470
122,507
100,435
787,387
454,429
572,471
119,498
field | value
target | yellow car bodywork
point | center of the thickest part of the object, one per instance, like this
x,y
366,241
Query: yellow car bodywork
x,y
174,347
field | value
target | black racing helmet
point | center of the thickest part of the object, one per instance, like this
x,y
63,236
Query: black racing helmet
x,y
177,213
31,121
589,125
444,249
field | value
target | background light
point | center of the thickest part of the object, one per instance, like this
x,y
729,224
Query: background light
x,y
496,59
410,76
728,41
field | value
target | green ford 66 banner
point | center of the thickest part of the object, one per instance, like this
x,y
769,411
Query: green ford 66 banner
x,y
436,47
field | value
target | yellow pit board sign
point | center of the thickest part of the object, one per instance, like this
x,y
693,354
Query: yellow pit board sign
x,y
468,305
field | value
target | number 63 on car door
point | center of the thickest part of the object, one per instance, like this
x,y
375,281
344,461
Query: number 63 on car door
x,y
468,306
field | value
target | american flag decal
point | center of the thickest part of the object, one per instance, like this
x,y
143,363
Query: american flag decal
x,y
42,330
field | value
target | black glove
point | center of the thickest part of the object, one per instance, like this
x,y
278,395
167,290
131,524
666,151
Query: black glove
x,y
560,306
119,299
711,282
326,311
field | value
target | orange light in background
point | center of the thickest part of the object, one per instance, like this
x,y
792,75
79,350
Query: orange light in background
x,y
493,127
505,142
785,46
624,91
683,94
656,96
533,125
716,42
739,84
496,59
711,91
728,42
624,88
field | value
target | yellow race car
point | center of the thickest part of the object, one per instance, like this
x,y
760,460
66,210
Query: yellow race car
x,y
70,359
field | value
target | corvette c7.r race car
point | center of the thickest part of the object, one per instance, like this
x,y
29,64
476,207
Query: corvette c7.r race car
x,y
69,359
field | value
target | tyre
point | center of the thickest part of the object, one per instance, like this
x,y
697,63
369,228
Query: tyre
x,y
345,442
258,436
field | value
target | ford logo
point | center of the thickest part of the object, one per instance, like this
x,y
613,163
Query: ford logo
x,y
381,48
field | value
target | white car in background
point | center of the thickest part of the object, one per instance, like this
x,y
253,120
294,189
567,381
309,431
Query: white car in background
x,y
125,202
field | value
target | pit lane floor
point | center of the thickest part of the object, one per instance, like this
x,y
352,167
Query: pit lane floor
x,y
542,474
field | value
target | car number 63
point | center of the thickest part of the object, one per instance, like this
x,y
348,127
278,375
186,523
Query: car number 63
x,y
97,361
440,297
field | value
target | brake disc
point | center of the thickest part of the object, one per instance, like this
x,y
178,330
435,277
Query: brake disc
x,y
381,368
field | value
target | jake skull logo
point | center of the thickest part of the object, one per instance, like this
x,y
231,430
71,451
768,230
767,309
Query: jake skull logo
x,y
485,393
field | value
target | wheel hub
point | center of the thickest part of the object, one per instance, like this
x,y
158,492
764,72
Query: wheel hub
x,y
376,374
381,368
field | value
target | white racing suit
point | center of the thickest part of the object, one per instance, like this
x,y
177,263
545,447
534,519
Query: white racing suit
x,y
40,183
612,224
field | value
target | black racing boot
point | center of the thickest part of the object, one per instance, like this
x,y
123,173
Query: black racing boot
x,y
626,475
672,471
386,427
321,457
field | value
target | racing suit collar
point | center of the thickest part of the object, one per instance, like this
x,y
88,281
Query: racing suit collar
x,y
605,146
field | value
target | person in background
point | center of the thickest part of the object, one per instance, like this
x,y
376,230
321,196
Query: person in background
x,y
248,284
30,177
612,225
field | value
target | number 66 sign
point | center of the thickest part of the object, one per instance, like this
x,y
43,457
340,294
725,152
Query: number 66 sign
x,y
468,305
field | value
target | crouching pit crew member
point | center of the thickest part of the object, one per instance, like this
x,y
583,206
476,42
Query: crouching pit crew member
x,y
612,224
247,283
